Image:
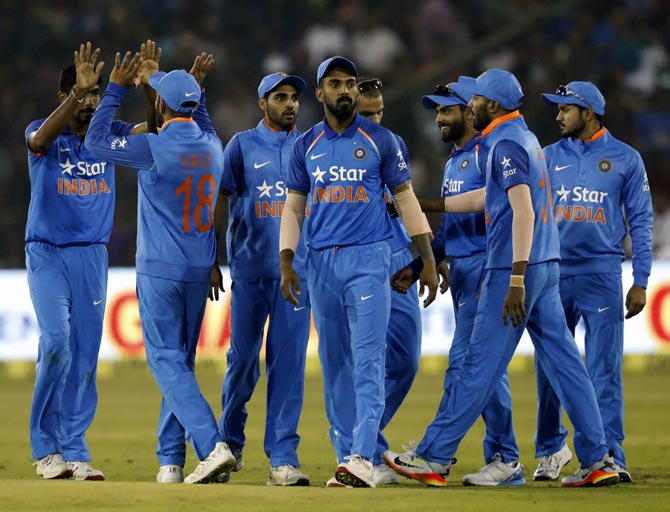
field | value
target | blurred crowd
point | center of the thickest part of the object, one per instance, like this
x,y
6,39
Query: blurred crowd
x,y
623,46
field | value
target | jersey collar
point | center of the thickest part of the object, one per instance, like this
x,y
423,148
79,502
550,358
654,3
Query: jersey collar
x,y
348,133
274,136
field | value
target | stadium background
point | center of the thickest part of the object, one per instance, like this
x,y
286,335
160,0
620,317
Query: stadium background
x,y
623,46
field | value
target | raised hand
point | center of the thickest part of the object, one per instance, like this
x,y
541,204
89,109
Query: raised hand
x,y
88,72
150,55
125,72
201,66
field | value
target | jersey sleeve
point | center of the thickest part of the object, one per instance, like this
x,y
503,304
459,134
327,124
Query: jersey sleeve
x,y
637,203
509,164
233,166
394,168
297,178
202,118
34,126
130,150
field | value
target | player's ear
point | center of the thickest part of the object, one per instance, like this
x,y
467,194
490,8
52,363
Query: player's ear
x,y
319,94
62,96
263,104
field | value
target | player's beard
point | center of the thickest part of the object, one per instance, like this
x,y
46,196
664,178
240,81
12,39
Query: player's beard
x,y
342,109
85,115
574,131
456,130
284,120
481,119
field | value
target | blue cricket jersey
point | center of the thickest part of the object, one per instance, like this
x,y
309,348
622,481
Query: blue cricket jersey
x,y
462,234
399,240
597,185
344,176
255,164
71,191
180,171
515,157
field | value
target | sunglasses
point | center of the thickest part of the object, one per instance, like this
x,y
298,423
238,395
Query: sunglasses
x,y
564,90
371,83
446,90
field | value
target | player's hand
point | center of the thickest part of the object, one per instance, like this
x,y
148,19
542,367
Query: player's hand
x,y
443,272
88,72
636,300
428,278
150,54
215,283
403,279
514,307
201,66
290,282
125,70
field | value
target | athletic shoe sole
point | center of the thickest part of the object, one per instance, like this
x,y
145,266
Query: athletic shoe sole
x,y
597,478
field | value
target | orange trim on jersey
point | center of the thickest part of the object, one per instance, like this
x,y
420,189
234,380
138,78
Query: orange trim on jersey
x,y
499,120
374,146
177,120
314,142
277,131
596,135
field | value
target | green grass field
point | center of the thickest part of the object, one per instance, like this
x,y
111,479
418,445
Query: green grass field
x,y
122,441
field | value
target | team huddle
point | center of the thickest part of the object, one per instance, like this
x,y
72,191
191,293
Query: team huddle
x,y
326,224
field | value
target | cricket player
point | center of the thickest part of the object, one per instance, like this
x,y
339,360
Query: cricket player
x,y
255,165
521,281
343,163
462,239
179,174
69,223
599,187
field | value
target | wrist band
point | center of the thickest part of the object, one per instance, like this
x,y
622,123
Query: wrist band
x,y
516,281
75,96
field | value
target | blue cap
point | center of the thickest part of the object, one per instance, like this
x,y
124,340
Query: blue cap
x,y
501,86
455,93
335,62
270,82
584,94
178,89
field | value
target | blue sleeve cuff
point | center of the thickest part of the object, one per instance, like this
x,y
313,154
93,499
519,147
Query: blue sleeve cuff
x,y
117,89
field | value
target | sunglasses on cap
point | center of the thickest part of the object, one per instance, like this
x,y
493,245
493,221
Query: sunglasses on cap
x,y
445,90
371,83
564,90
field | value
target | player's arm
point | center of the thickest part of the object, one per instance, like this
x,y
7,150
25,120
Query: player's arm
x,y
132,151
418,229
640,215
292,218
150,55
216,278
88,75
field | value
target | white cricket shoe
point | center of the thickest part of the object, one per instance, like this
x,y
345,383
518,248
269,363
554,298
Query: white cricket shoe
x,y
384,475
220,459
287,475
414,466
550,466
356,472
53,466
82,470
497,473
599,474
332,482
170,474
224,476
624,475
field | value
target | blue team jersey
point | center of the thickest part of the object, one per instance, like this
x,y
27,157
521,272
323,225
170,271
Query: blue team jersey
x,y
344,177
71,191
255,164
463,234
597,185
399,240
515,157
180,171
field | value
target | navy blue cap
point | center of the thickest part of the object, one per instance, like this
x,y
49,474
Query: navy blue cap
x,y
178,89
455,93
270,82
584,94
501,86
335,62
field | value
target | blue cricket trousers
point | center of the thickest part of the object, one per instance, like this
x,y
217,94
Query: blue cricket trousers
x,y
351,299
68,288
252,302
